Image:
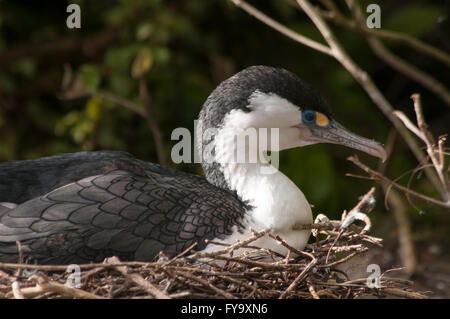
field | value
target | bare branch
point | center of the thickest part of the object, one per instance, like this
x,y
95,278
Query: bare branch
x,y
377,176
154,127
335,15
281,28
396,62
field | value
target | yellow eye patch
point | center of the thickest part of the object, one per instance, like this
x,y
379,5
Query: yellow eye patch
x,y
321,119
310,117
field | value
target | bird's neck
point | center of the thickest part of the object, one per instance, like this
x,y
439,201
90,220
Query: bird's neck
x,y
277,203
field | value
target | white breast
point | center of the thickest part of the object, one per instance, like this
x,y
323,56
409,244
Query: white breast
x,y
277,203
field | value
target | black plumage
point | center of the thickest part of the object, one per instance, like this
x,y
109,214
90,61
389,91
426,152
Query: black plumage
x,y
120,206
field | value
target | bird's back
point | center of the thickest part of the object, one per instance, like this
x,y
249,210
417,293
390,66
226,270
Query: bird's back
x,y
83,207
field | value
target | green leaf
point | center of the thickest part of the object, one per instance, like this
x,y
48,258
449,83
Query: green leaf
x,y
144,31
90,74
25,66
143,63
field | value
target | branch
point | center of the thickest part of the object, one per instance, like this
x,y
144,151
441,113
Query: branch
x,y
137,279
396,62
281,28
157,134
377,176
335,15
435,152
44,286
73,88
88,46
399,209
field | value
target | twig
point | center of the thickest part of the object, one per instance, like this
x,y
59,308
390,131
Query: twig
x,y
281,28
377,176
403,293
312,290
83,266
346,258
74,88
154,127
432,151
230,248
118,100
44,285
184,252
396,62
335,15
405,240
15,286
207,284
299,278
137,279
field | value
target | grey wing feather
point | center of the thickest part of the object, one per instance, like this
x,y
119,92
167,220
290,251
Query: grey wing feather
x,y
120,213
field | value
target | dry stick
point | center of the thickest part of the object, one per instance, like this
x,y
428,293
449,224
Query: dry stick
x,y
184,252
429,142
291,249
405,240
207,284
266,265
157,133
281,28
340,261
137,279
396,62
334,243
15,287
82,266
335,15
243,283
312,290
118,100
299,278
377,176
403,293
44,285
357,208
410,70
230,248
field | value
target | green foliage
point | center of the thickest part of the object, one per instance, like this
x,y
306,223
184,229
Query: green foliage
x,y
91,76
415,20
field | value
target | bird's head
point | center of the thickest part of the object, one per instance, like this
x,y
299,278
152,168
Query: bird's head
x,y
267,97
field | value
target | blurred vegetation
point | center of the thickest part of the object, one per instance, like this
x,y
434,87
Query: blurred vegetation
x,y
188,47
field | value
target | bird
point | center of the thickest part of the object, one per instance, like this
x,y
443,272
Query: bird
x,y
86,206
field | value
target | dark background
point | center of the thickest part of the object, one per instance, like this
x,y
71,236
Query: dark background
x,y
196,44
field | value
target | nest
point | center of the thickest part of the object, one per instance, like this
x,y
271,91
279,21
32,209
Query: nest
x,y
240,270
225,273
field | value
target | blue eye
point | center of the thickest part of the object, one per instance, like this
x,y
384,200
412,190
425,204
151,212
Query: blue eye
x,y
309,117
